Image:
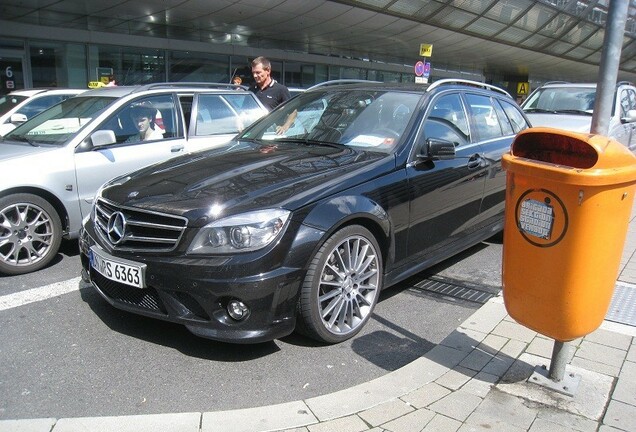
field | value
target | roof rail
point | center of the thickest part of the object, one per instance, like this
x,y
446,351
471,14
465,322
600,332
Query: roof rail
x,y
341,82
555,82
220,86
469,82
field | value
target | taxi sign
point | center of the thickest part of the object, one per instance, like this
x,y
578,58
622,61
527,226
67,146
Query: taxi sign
x,y
426,50
95,84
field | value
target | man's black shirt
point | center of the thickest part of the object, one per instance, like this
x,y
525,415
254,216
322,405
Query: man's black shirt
x,y
272,95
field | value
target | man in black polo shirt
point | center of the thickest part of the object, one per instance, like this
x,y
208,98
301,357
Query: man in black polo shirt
x,y
267,90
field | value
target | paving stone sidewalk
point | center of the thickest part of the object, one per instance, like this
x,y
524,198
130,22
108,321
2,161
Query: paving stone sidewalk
x,y
479,378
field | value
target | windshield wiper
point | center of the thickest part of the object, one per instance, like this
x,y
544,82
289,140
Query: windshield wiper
x,y
573,111
21,138
309,142
538,110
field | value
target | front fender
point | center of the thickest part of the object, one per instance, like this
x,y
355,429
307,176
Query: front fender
x,y
336,212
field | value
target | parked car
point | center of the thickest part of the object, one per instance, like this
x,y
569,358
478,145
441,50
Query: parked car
x,y
303,229
20,105
570,106
53,164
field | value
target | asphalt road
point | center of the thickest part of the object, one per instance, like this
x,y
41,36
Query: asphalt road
x,y
73,355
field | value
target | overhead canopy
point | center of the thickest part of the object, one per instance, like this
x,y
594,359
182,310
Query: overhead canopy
x,y
551,39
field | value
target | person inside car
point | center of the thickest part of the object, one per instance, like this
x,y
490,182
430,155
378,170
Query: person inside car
x,y
144,118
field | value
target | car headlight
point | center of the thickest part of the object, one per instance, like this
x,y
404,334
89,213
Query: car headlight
x,y
240,233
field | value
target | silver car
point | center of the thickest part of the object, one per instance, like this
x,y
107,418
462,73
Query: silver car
x,y
570,106
53,164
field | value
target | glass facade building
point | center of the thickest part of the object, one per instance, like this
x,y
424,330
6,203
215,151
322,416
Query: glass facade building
x,y
68,43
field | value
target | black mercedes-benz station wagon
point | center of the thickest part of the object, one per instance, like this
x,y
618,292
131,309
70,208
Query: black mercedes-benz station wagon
x,y
301,220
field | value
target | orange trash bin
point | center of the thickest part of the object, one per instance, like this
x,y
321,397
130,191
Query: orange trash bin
x,y
569,197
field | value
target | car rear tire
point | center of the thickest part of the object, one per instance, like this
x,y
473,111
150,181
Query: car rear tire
x,y
342,286
30,233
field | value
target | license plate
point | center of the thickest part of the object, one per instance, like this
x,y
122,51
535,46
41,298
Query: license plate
x,y
117,269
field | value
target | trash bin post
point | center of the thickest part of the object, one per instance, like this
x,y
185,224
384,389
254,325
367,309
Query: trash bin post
x,y
556,378
560,358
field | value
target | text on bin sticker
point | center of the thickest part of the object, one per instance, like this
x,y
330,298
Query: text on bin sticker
x,y
536,218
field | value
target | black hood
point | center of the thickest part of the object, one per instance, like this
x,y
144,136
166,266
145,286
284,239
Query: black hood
x,y
244,176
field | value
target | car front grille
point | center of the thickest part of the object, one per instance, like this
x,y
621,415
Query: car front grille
x,y
146,298
135,230
149,298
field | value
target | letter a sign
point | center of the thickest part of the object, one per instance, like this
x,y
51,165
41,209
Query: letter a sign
x,y
522,88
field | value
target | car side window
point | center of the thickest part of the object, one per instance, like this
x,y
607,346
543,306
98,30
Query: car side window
x,y
450,110
246,106
504,122
438,128
484,117
215,116
517,120
144,119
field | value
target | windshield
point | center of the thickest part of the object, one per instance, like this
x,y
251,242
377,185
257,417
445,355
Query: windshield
x,y
7,102
371,119
60,123
575,100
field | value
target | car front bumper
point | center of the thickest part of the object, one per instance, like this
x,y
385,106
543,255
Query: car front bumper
x,y
196,291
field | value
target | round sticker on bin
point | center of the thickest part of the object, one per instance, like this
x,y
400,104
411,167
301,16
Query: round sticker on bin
x,y
541,217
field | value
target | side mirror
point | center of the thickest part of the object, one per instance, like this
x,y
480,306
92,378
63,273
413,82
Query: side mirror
x,y
437,148
18,118
103,138
630,117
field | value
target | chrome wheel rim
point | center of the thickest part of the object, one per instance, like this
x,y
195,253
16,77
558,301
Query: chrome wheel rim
x,y
349,282
26,233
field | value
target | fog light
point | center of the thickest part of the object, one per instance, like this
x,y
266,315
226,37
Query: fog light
x,y
237,309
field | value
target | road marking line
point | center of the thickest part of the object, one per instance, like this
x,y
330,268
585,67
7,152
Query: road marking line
x,y
38,294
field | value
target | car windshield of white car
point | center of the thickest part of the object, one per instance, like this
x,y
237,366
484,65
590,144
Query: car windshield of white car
x,y
59,123
565,100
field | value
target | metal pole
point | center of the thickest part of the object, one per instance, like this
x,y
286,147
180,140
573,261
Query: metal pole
x,y
560,358
608,68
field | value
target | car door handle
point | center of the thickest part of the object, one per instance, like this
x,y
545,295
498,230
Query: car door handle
x,y
177,148
475,161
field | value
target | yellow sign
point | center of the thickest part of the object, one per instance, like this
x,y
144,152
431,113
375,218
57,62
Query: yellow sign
x,y
95,84
426,50
523,88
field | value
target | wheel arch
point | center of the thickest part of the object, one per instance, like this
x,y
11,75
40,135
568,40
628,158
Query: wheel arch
x,y
46,195
337,213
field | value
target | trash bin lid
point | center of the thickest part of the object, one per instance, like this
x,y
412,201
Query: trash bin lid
x,y
571,157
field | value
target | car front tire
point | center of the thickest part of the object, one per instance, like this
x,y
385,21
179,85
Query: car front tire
x,y
30,233
342,286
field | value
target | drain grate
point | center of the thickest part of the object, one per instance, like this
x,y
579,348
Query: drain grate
x,y
623,305
452,290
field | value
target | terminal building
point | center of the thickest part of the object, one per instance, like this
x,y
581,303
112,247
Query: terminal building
x,y
69,43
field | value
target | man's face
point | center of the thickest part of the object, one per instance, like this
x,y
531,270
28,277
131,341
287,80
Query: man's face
x,y
143,123
260,75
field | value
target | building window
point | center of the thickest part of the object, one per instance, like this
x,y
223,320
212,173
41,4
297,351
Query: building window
x,y
58,65
199,67
130,66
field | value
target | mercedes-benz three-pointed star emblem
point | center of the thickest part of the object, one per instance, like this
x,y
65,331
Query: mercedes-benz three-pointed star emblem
x,y
116,227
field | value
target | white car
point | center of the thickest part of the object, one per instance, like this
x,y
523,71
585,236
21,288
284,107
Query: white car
x,y
570,106
20,105
53,164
